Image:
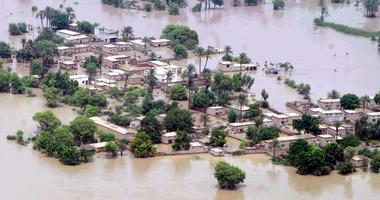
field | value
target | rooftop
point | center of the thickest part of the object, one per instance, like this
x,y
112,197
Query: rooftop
x,y
81,76
351,111
77,37
170,134
115,57
68,32
293,137
160,40
330,111
195,144
329,100
373,113
106,124
325,136
241,124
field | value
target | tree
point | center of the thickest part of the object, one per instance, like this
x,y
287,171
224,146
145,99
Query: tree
x,y
218,2
349,141
47,121
254,111
13,29
5,50
178,120
227,54
179,34
202,99
228,176
218,138
364,100
151,79
333,95
127,33
173,9
152,127
189,76
178,92
345,168
308,123
333,153
51,96
123,143
377,97
180,51
106,137
207,55
86,27
222,87
111,148
371,7
83,130
70,156
205,118
265,133
242,100
181,142
265,97
275,145
232,116
278,4
242,59
142,146
375,165
36,67
349,102
199,52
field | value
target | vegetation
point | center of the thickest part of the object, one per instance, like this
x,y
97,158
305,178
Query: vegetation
x,y
178,119
278,4
83,130
180,51
152,127
349,101
181,142
260,134
86,27
303,89
371,7
5,50
228,176
17,29
232,116
346,29
218,137
47,121
111,148
308,123
179,34
84,97
142,146
173,9
178,92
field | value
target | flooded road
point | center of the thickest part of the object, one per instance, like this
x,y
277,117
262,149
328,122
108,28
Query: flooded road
x,y
27,174
323,58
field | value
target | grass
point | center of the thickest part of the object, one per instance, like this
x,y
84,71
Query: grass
x,y
346,29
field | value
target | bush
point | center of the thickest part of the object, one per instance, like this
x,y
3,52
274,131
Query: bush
x,y
180,51
173,9
232,116
11,137
228,176
106,137
142,146
350,141
375,165
13,29
178,92
147,7
112,148
278,4
243,144
345,168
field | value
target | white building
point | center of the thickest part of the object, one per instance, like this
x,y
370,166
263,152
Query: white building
x,y
109,49
351,115
81,79
238,127
373,117
77,39
227,66
168,138
64,33
105,34
329,104
139,45
159,42
196,147
331,115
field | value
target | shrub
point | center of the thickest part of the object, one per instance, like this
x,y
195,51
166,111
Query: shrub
x,y
173,9
228,176
345,168
178,92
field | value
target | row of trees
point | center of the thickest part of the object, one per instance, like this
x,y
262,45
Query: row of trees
x,y
56,19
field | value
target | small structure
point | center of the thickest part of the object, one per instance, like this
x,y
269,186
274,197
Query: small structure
x,y
227,66
105,34
136,79
217,111
236,108
139,45
280,120
64,50
331,115
123,46
325,139
80,48
267,122
118,131
216,152
73,26
332,131
109,49
196,147
373,117
159,42
168,138
115,74
77,39
81,79
115,61
357,161
329,104
284,142
97,147
351,115
238,127
68,65
64,33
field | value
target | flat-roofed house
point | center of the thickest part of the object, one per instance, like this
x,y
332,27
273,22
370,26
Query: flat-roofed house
x,y
236,108
81,79
168,138
115,61
109,49
217,111
331,115
140,45
64,33
329,104
64,50
159,42
81,48
325,139
331,130
217,152
123,46
373,117
118,131
280,120
357,161
97,147
267,122
68,65
77,39
227,66
284,142
238,127
106,34
115,74
196,147
136,79
351,115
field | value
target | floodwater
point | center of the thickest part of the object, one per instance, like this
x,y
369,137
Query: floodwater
x,y
265,35
323,58
27,174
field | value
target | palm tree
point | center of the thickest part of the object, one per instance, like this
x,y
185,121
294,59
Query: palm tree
x,y
364,101
242,99
127,75
145,40
275,145
199,51
371,7
333,95
169,75
243,59
70,12
205,118
100,63
227,53
264,95
189,76
151,79
41,14
337,126
207,54
49,12
324,11
127,33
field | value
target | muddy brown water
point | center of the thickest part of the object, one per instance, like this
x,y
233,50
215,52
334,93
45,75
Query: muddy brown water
x,y
265,35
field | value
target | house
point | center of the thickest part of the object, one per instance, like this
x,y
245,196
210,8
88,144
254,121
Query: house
x,y
280,120
160,74
139,45
64,33
217,111
104,34
351,115
168,138
158,63
284,142
115,61
123,46
68,65
77,39
115,74
236,108
331,130
97,147
196,147
292,117
109,49
267,122
325,139
80,48
81,79
238,127
357,161
63,50
227,66
331,115
373,117
118,131
136,79
217,152
159,42
329,104
73,26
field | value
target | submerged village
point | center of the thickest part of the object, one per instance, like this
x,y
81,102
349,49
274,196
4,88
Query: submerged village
x,y
134,95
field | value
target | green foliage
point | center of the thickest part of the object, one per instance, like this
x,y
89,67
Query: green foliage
x,y
142,146
375,165
202,99
349,141
263,133
83,130
178,120
218,137
147,7
178,92
51,96
34,8
17,29
91,111
133,94
303,89
62,82
228,176
278,4
111,148
181,142
180,51
345,168
116,3
106,137
232,116
152,127
86,27
158,5
47,121
197,7
222,87
116,92
243,144
217,2
173,9
333,153
84,97
70,156
242,81
349,101
377,96
179,34
308,123
5,50
16,84
346,29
